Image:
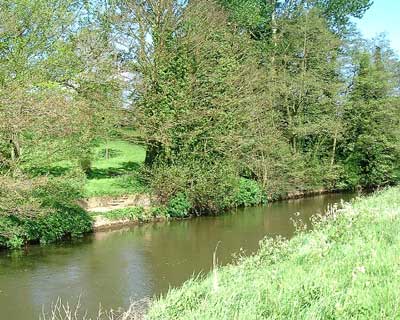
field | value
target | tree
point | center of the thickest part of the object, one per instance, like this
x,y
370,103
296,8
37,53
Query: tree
x,y
372,116
57,81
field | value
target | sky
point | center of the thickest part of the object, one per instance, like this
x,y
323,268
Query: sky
x,y
383,16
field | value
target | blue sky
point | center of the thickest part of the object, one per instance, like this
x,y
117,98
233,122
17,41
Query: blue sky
x,y
383,16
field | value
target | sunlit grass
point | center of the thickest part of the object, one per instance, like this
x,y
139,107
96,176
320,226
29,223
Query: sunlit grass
x,y
109,176
347,268
121,152
115,175
114,186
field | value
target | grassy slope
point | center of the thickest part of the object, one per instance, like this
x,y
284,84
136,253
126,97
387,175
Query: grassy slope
x,y
347,268
114,176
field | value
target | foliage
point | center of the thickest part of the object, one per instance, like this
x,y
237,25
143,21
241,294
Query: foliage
x,y
178,206
66,222
279,92
249,193
346,250
213,188
265,94
131,213
40,210
372,151
56,93
206,190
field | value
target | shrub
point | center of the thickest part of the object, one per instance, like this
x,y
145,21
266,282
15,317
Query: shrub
x,y
209,187
67,222
249,193
165,181
159,211
213,188
178,206
40,210
12,233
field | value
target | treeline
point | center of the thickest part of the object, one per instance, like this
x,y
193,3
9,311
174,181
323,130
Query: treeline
x,y
285,93
231,98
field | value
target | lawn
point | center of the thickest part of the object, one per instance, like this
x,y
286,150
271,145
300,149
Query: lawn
x,y
347,268
115,175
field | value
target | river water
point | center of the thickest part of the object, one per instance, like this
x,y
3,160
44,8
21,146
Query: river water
x,y
112,267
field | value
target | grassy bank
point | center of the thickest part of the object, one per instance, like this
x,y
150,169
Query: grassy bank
x,y
348,267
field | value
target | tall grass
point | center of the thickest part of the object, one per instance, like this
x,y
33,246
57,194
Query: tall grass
x,y
348,267
64,311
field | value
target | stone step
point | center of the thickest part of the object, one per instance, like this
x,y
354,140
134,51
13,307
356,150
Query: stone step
x,y
105,204
117,201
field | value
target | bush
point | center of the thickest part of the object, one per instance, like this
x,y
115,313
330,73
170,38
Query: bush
x,y
179,206
165,181
68,222
249,193
40,210
157,212
208,187
213,188
12,233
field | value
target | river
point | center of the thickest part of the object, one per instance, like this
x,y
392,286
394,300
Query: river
x,y
112,267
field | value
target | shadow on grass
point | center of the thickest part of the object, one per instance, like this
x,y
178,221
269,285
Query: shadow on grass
x,y
124,168
94,173
54,171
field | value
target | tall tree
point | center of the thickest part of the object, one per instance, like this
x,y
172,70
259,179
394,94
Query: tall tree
x,y
372,116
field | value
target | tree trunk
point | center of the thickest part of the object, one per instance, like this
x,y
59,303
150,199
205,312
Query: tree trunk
x,y
333,150
15,147
107,151
274,31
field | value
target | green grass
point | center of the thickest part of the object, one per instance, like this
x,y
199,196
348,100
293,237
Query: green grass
x,y
113,186
116,175
131,213
347,268
122,155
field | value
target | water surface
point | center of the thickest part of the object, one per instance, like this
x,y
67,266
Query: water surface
x,y
112,267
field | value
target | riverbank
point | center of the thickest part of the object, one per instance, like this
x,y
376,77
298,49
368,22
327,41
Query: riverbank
x,y
62,218
116,212
347,267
